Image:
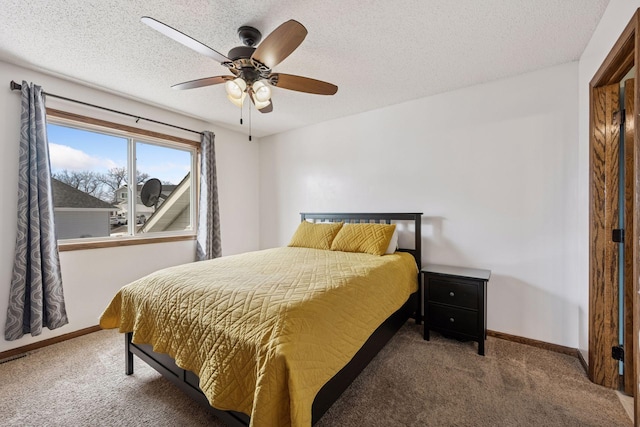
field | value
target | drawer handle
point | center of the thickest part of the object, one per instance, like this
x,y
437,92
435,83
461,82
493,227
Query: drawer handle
x,y
451,319
451,294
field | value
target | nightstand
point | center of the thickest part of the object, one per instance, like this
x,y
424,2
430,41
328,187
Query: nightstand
x,y
455,302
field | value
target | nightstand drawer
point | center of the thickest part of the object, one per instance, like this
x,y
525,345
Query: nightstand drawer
x,y
452,292
453,319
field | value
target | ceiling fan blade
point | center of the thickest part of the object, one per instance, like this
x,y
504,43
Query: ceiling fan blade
x,y
302,84
267,109
280,43
184,39
207,81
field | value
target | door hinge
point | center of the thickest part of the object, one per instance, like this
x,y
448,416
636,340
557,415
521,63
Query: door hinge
x,y
617,353
619,117
618,235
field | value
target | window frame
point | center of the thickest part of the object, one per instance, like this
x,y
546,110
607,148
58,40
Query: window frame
x,y
137,135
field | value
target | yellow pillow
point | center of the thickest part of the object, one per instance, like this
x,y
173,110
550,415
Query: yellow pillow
x,y
369,238
316,236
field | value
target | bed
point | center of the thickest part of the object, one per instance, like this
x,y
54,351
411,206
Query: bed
x,y
261,338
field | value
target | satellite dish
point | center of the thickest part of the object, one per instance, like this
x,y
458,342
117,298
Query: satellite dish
x,y
151,192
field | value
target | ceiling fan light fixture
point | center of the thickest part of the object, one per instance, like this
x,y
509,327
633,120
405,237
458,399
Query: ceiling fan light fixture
x,y
236,88
261,91
260,104
237,101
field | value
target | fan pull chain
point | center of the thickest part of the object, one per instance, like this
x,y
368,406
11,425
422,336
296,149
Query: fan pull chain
x,y
249,121
241,105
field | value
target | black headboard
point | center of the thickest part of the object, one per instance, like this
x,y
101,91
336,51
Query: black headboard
x,y
382,218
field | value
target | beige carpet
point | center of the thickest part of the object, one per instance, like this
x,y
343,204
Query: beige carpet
x,y
412,382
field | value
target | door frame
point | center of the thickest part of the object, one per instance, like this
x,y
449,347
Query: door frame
x,y
602,302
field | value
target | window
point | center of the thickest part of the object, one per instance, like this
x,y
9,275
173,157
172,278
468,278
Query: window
x,y
111,184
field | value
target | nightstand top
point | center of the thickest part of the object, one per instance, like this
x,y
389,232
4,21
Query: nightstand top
x,y
451,270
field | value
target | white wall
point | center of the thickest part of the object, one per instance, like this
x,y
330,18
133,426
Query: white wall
x,y
613,22
494,169
92,277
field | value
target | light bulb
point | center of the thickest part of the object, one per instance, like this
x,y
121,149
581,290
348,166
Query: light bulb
x,y
261,91
237,101
260,104
235,88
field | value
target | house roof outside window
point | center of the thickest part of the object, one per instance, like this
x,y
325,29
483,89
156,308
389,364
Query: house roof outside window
x,y
65,196
174,212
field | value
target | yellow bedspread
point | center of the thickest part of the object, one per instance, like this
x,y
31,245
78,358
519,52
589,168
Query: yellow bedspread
x,y
265,330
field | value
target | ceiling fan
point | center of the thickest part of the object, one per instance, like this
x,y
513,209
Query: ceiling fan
x,y
251,66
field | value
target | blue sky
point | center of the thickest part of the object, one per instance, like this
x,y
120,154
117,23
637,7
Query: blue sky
x,y
78,150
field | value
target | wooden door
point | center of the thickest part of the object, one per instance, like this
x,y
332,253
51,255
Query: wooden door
x,y
629,208
623,56
603,274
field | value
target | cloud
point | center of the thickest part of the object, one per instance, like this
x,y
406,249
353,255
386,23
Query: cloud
x,y
65,157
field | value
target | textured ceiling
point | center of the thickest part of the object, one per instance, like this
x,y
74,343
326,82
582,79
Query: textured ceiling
x,y
378,52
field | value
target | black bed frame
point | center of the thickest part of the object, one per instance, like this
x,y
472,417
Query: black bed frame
x,y
188,382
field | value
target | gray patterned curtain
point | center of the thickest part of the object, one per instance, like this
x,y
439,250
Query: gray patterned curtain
x,y
35,297
209,244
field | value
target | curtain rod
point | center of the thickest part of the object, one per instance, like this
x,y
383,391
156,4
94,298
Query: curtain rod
x,y
15,86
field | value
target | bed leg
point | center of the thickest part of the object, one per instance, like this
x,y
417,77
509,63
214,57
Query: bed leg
x,y
128,354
